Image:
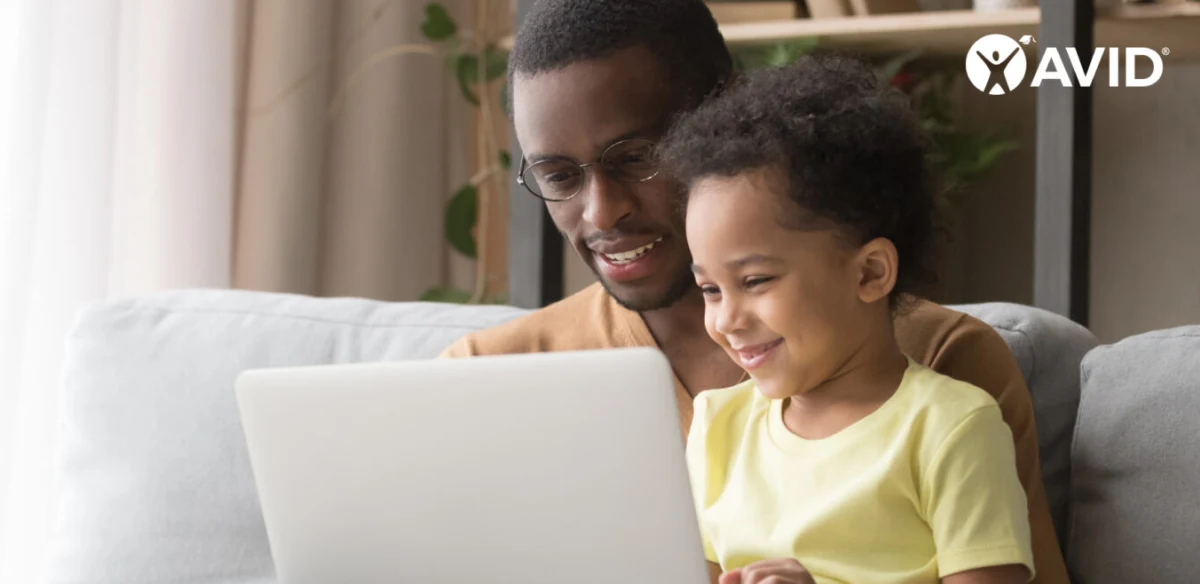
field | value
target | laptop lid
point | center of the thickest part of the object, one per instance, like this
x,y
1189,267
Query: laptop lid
x,y
539,468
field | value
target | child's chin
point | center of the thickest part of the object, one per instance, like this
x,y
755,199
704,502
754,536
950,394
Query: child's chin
x,y
770,388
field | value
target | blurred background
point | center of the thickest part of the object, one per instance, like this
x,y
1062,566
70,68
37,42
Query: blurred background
x,y
360,148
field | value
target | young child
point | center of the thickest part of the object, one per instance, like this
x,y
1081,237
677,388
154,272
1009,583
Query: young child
x,y
841,459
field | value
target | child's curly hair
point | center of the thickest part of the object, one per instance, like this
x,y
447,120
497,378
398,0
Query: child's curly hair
x,y
851,147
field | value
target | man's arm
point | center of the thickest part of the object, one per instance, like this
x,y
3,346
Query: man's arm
x,y
975,353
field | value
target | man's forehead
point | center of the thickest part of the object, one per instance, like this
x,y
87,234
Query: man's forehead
x,y
582,108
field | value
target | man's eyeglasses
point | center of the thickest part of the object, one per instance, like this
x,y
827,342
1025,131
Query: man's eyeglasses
x,y
559,179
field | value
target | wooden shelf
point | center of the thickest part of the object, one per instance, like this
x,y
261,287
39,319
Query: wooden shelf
x,y
734,12
945,33
951,33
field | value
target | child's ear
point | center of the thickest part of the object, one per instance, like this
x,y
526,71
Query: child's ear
x,y
878,265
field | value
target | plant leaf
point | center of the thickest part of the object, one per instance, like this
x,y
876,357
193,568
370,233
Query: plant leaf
x,y
442,294
495,63
505,160
792,51
893,66
466,71
774,55
437,26
460,220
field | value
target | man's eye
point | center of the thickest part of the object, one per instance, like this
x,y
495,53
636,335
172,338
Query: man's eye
x,y
560,176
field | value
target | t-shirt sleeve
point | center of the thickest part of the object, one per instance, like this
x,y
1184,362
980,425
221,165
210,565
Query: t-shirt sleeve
x,y
974,501
698,467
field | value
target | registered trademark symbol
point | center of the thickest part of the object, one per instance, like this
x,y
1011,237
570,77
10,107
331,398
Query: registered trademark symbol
x,y
1166,51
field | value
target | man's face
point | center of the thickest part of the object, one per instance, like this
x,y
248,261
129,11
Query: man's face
x,y
630,234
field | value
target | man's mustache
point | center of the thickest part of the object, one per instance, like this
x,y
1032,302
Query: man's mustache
x,y
621,233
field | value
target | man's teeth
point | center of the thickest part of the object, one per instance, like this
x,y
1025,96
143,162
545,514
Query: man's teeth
x,y
628,256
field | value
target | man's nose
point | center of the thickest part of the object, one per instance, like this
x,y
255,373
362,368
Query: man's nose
x,y
607,201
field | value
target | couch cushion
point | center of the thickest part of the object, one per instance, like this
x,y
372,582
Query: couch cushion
x,y
1136,462
1049,349
157,486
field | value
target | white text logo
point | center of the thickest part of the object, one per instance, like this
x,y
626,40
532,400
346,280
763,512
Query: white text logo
x,y
996,65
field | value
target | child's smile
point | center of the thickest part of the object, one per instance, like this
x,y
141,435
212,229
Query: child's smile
x,y
754,356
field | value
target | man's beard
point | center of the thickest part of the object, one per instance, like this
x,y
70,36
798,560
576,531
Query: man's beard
x,y
678,289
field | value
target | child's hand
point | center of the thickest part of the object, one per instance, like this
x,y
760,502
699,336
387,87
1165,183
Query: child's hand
x,y
781,571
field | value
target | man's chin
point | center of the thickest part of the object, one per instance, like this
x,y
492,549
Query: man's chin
x,y
647,296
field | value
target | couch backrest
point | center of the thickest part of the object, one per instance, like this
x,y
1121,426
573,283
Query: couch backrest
x,y
156,479
157,486
1135,468
1049,349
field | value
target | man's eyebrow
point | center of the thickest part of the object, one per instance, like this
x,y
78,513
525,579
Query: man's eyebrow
x,y
638,133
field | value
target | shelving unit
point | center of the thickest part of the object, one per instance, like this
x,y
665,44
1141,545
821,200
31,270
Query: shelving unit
x,y
1064,141
951,33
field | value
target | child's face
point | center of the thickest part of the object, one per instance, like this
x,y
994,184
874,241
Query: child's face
x,y
785,304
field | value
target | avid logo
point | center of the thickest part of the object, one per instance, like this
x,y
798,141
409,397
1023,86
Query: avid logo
x,y
996,65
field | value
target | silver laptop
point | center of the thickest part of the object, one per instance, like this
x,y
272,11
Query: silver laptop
x,y
531,469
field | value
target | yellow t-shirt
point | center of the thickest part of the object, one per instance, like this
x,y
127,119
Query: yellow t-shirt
x,y
924,487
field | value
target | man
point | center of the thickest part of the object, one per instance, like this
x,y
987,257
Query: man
x,y
594,84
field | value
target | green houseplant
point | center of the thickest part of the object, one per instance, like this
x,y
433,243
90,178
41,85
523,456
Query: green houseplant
x,y
474,63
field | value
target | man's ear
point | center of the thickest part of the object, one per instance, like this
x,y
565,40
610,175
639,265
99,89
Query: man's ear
x,y
878,265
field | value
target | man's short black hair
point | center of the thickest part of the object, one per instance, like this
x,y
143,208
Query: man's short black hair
x,y
681,33
851,148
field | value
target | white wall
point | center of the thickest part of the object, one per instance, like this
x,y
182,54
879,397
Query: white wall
x,y
1145,214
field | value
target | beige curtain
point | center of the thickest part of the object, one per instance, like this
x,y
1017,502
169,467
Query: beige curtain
x,y
353,137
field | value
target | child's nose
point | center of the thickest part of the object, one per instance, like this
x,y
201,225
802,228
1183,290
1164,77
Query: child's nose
x,y
731,317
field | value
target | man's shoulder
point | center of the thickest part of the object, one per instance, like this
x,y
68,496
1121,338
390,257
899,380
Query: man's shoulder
x,y
588,319
932,333
963,347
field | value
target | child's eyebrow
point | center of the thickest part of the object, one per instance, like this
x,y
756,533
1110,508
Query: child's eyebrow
x,y
742,262
753,258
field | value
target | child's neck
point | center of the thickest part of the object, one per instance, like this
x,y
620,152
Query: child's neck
x,y
868,378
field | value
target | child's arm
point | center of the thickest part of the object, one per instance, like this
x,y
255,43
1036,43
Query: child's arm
x,y
975,504
1012,574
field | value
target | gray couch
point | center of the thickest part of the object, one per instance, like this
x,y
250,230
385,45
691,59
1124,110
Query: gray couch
x,y
157,488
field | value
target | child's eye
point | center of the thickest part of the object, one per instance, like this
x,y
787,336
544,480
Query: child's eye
x,y
757,281
709,290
